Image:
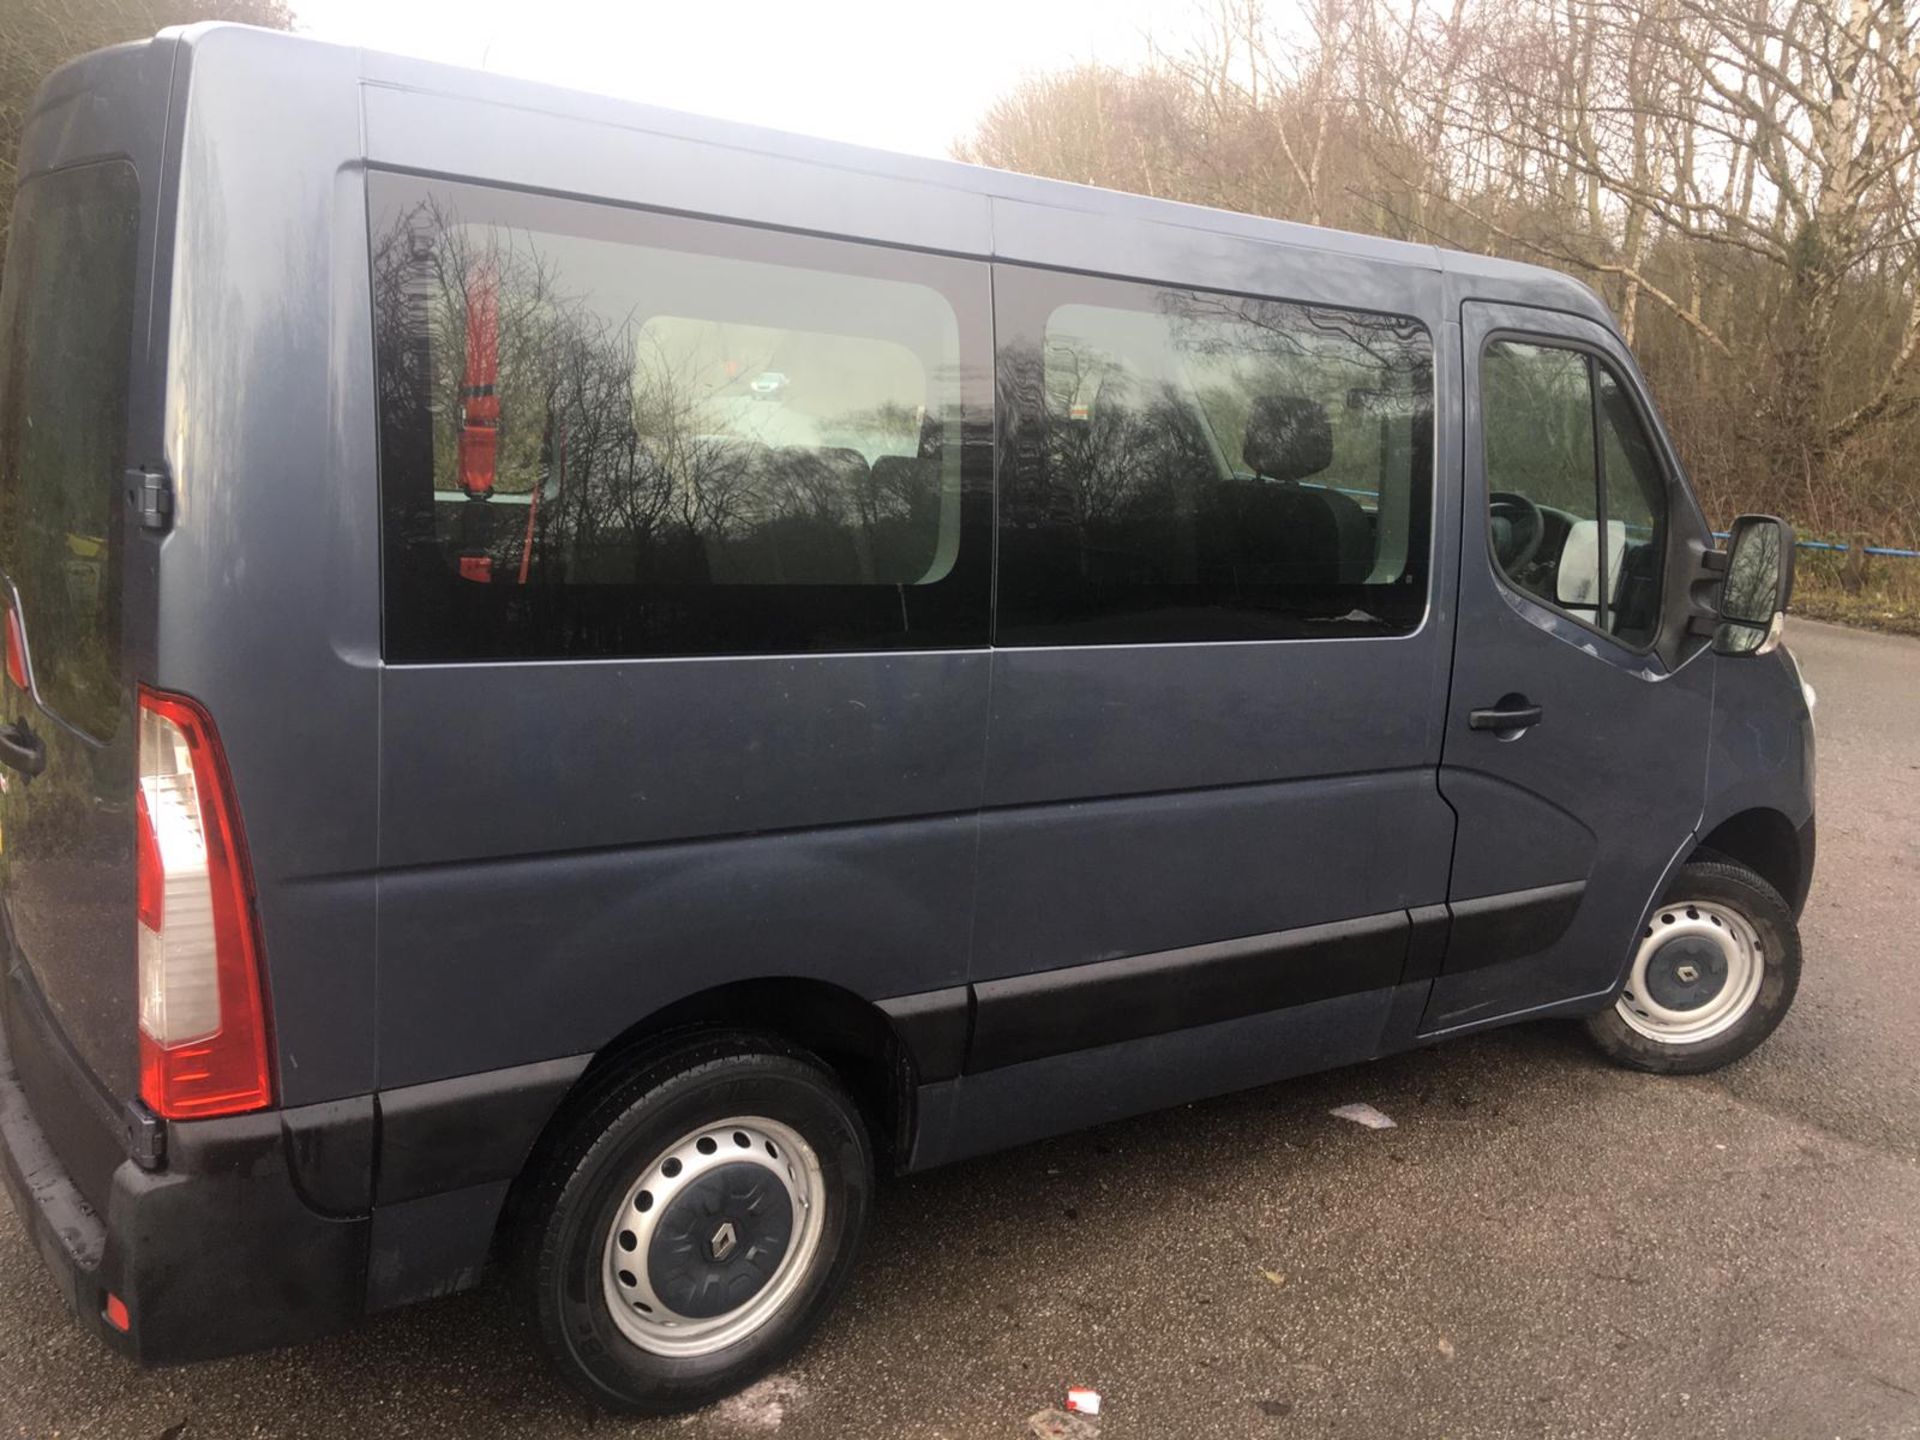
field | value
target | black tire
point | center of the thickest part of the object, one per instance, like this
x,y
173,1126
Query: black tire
x,y
1719,883
583,1180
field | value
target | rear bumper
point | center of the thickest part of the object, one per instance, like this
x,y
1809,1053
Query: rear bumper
x,y
218,1251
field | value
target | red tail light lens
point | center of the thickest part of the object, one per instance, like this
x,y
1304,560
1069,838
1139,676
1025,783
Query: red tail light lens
x,y
203,1016
16,650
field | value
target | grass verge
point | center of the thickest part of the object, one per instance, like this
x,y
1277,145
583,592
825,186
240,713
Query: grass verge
x,y
1885,595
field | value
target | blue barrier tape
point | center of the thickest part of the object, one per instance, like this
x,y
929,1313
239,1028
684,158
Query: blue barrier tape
x,y
1844,549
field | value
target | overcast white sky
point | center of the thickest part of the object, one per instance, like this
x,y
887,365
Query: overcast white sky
x,y
900,74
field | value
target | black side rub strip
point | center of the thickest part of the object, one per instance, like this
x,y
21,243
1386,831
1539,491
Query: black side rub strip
x,y
1029,1017
1517,923
448,1134
933,1028
1427,946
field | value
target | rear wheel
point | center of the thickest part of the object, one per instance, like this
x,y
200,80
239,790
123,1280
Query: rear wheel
x,y
696,1223
1712,974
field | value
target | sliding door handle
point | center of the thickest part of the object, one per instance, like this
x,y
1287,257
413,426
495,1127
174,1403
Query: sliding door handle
x,y
1513,713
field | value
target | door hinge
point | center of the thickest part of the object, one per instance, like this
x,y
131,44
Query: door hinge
x,y
150,492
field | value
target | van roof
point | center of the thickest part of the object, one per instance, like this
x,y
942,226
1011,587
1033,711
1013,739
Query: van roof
x,y
1536,284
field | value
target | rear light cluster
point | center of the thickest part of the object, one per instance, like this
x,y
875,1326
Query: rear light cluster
x,y
203,1018
16,650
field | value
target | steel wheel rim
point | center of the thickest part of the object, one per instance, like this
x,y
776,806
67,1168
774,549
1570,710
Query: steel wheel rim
x,y
635,1233
1708,929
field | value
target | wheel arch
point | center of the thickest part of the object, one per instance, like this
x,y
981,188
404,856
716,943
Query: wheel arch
x,y
851,1035
1766,842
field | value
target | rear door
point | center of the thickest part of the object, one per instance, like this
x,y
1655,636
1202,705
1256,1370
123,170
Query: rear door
x,y
1576,736
72,350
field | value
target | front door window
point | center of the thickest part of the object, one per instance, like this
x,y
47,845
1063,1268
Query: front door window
x,y
1577,502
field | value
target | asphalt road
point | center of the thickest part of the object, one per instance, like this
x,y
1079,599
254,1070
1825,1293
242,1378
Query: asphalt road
x,y
1544,1246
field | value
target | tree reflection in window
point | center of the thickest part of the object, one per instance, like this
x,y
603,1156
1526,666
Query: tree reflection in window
x,y
1192,465
665,416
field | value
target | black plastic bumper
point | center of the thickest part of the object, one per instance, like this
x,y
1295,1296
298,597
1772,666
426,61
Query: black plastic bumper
x,y
217,1252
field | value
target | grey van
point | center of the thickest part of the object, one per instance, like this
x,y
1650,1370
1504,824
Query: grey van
x,y
582,682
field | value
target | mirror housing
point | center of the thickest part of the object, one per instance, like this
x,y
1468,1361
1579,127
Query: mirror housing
x,y
1758,585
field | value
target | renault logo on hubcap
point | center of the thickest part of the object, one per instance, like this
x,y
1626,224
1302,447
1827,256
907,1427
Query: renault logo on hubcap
x,y
724,1242
1688,974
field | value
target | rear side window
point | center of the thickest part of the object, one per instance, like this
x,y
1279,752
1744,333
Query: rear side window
x,y
1187,465
66,318
1569,462
609,432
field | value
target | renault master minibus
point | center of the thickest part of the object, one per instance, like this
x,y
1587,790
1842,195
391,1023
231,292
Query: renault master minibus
x,y
582,682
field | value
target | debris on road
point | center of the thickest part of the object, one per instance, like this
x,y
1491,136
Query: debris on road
x,y
764,1407
1053,1424
1446,1348
1082,1401
1274,1277
1363,1114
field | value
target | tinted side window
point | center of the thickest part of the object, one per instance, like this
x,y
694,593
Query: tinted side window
x,y
1194,466
608,432
1554,490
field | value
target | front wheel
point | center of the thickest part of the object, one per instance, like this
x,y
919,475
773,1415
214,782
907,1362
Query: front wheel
x,y
1712,974
696,1223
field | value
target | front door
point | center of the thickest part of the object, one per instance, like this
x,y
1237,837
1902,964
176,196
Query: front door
x,y
1575,747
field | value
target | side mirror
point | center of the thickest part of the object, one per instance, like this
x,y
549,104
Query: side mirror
x,y
1758,585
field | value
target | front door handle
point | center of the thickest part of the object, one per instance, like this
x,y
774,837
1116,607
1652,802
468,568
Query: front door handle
x,y
1514,712
22,750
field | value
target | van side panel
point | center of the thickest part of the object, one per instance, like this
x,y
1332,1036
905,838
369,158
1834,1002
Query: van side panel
x,y
568,845
268,601
509,761
599,840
